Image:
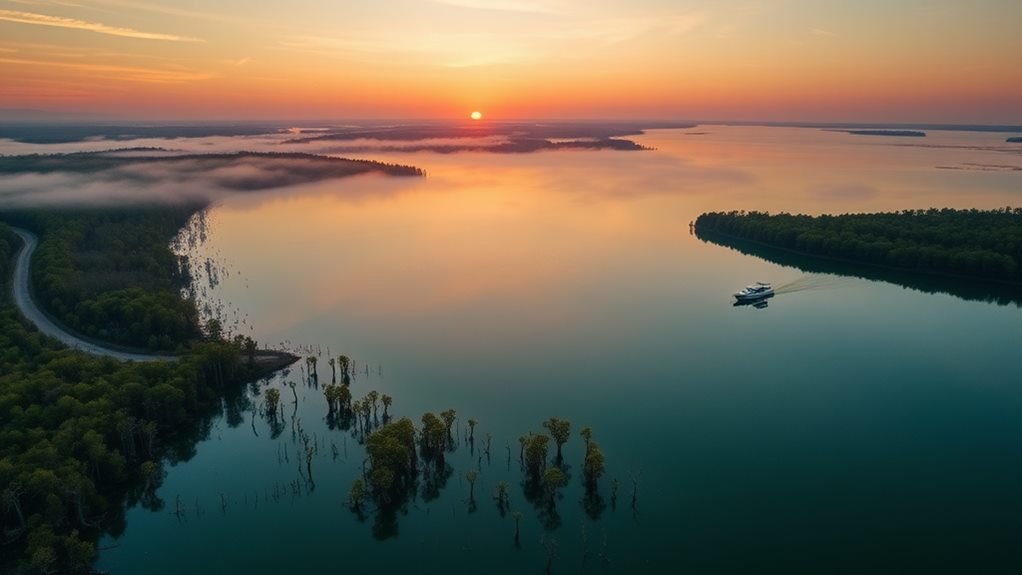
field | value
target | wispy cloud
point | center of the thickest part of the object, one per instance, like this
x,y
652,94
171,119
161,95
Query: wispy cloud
x,y
172,11
503,5
552,39
99,28
822,32
133,74
48,3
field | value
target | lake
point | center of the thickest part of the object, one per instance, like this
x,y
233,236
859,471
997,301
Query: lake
x,y
850,426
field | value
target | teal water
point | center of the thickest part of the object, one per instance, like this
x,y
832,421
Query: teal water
x,y
851,426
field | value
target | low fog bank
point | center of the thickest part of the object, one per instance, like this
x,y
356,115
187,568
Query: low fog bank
x,y
440,137
55,133
148,176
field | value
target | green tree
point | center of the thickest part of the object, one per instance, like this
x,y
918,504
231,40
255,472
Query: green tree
x,y
344,362
594,465
553,480
560,430
536,454
502,495
356,494
272,402
471,475
448,416
517,515
433,438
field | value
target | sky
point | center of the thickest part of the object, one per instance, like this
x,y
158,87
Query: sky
x,y
945,61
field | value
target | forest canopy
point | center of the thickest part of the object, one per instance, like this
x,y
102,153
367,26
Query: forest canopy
x,y
980,244
79,434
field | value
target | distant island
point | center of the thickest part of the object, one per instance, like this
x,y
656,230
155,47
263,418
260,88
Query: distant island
x,y
903,133
1015,140
493,137
974,244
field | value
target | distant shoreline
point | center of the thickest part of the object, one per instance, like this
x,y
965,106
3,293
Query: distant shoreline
x,y
902,133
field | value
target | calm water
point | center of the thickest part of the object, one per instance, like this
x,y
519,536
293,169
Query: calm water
x,y
851,426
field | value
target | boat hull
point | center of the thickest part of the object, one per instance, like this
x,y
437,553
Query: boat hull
x,y
754,296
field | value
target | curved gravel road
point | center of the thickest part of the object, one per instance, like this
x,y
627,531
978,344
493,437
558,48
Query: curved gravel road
x,y
23,300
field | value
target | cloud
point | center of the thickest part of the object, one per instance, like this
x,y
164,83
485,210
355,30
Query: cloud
x,y
99,28
134,74
119,179
532,7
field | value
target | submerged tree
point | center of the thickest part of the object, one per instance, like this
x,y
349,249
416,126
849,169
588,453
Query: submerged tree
x,y
536,454
560,430
373,396
553,480
391,451
587,436
332,394
518,523
387,402
594,464
433,439
272,401
448,416
356,494
471,475
344,362
502,496
472,429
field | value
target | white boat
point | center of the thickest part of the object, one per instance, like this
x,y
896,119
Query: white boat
x,y
757,291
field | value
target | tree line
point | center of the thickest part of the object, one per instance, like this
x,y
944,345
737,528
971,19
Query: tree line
x,y
110,274
982,244
81,436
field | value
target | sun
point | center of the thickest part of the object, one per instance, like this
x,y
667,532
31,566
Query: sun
x,y
476,115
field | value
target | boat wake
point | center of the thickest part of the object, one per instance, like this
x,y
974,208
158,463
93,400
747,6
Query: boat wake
x,y
814,282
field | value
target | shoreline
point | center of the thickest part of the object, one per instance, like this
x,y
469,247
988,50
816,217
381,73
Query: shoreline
x,y
265,361
927,273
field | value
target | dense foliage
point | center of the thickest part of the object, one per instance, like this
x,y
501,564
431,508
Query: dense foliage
x,y
79,434
9,243
973,243
77,431
110,275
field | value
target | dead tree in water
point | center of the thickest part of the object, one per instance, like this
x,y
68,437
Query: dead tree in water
x,y
551,552
635,488
518,524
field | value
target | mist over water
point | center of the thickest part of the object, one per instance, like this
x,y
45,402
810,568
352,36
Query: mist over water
x,y
851,424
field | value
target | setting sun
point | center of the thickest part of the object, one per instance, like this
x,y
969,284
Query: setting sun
x,y
476,115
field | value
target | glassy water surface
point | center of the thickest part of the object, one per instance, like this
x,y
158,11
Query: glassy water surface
x,y
851,425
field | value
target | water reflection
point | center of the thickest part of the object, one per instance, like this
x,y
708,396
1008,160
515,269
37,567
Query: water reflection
x,y
1000,294
513,286
755,304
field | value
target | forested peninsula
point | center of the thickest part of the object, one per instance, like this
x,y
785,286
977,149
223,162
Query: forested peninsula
x,y
81,436
975,244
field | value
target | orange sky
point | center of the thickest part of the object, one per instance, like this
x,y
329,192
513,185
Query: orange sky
x,y
799,60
